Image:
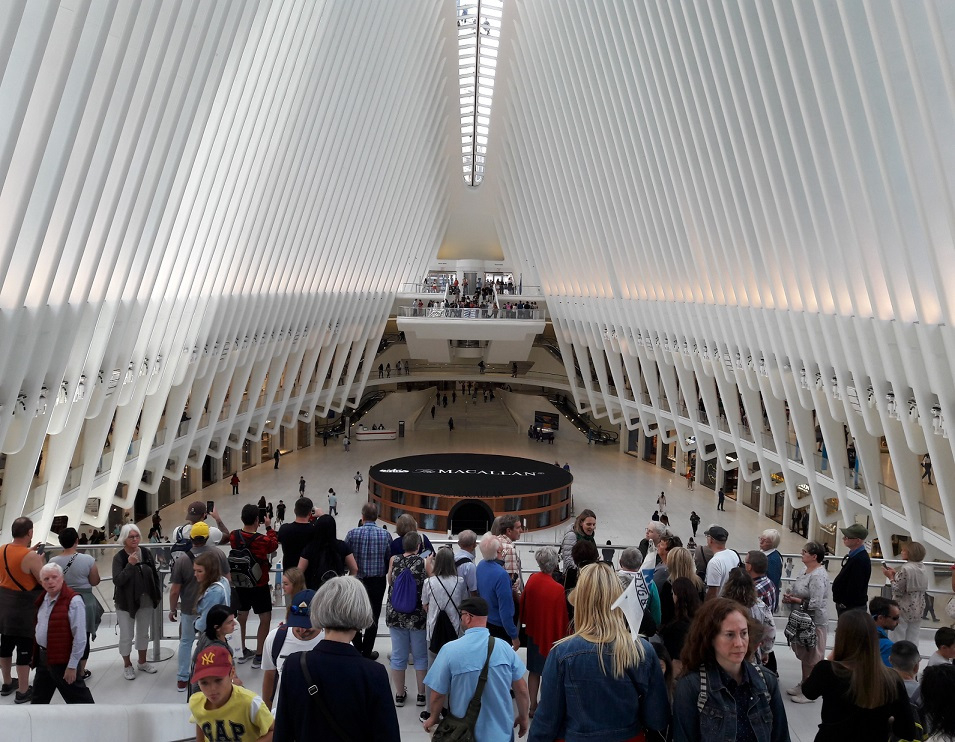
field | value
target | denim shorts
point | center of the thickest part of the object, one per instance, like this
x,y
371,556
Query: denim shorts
x,y
404,639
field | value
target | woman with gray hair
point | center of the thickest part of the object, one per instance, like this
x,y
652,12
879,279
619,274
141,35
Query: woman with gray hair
x,y
811,590
353,702
135,594
544,611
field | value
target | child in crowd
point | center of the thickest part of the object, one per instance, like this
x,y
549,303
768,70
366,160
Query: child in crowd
x,y
904,659
945,641
222,710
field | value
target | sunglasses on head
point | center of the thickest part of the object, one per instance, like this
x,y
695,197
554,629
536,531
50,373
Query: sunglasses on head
x,y
299,610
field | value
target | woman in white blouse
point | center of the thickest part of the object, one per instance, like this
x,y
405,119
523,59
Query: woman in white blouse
x,y
443,591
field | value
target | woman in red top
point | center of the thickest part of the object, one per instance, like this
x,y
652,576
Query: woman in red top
x,y
544,611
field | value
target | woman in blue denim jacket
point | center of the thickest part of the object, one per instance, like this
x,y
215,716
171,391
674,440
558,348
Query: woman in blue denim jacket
x,y
598,684
717,680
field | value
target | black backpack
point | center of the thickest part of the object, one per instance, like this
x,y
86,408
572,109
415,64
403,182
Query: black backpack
x,y
329,564
182,544
245,568
444,630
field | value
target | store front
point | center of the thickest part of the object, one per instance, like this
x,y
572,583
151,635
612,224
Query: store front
x,y
633,442
304,437
669,455
650,448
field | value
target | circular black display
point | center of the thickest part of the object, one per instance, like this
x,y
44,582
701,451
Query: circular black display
x,y
470,475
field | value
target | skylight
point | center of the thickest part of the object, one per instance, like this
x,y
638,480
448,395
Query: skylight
x,y
479,36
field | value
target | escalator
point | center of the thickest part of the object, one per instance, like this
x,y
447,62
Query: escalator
x,y
337,426
584,423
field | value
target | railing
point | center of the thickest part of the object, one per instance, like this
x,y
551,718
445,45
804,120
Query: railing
x,y
933,519
791,562
471,313
423,288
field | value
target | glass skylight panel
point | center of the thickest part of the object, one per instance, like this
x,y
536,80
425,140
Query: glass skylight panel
x,y
479,35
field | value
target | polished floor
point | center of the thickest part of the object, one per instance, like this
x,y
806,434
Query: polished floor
x,y
621,489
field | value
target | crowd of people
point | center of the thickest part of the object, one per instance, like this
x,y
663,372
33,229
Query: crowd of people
x,y
677,641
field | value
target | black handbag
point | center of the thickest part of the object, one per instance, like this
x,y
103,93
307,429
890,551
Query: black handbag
x,y
461,729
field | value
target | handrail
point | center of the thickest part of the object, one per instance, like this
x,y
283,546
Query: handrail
x,y
470,313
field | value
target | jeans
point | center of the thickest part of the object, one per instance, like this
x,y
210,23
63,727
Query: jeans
x,y
187,627
401,641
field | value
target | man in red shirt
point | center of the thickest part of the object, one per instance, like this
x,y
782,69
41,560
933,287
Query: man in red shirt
x,y
258,597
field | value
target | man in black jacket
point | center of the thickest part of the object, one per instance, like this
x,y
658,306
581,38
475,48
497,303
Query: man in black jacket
x,y
850,589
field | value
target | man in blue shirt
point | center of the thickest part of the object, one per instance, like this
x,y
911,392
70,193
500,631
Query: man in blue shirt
x,y
371,547
494,585
455,672
886,614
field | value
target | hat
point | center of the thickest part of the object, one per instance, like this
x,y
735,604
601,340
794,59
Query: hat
x,y
199,530
212,662
717,533
855,531
298,614
475,606
197,511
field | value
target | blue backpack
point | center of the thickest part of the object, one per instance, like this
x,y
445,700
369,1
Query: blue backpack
x,y
404,592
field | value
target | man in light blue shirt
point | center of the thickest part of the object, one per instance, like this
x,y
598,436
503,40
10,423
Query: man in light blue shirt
x,y
455,672
464,560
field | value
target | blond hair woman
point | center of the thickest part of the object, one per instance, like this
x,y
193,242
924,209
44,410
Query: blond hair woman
x,y
581,688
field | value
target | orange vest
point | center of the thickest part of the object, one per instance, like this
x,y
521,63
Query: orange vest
x,y
13,554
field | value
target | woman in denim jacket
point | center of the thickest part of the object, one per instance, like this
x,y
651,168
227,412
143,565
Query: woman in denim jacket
x,y
717,678
599,684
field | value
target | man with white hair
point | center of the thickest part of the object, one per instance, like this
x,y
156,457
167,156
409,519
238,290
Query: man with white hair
x,y
464,560
60,640
769,545
494,585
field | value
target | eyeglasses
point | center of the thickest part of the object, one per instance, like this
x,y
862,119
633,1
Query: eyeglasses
x,y
299,610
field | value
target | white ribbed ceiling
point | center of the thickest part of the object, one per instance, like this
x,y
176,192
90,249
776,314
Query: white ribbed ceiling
x,y
211,205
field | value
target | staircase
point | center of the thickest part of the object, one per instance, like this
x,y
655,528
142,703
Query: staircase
x,y
475,415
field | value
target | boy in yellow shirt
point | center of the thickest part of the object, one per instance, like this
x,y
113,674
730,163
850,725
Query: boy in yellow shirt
x,y
224,712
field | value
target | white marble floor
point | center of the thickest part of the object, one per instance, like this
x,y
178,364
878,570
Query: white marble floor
x,y
619,488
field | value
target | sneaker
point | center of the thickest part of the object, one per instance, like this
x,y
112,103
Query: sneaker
x,y
257,662
424,716
147,668
420,700
802,699
182,686
129,673
7,688
245,655
400,700
24,697
796,690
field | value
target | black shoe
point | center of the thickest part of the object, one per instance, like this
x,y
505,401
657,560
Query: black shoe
x,y
419,701
372,656
7,688
86,674
24,697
